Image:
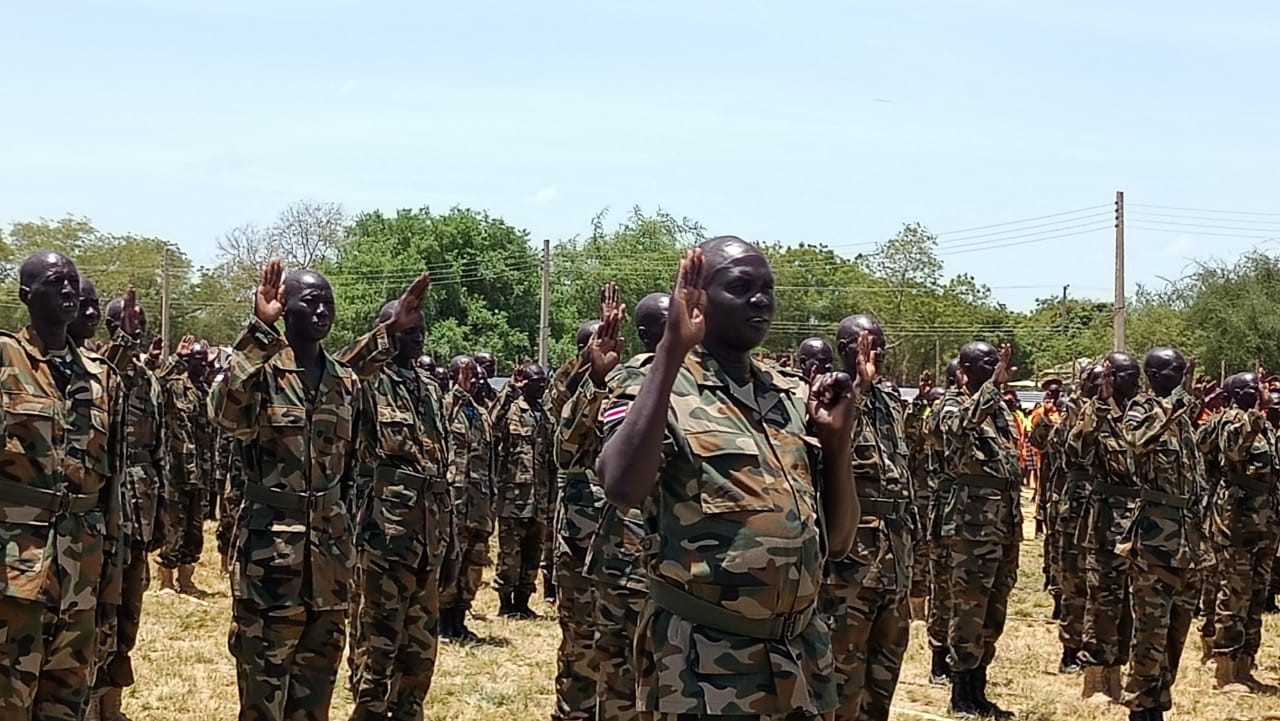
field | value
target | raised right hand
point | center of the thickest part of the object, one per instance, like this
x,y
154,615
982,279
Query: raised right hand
x,y
686,318
268,301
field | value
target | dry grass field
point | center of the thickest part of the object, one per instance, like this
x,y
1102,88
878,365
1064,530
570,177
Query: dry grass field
x,y
184,671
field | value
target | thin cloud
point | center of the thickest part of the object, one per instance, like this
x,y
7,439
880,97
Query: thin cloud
x,y
546,195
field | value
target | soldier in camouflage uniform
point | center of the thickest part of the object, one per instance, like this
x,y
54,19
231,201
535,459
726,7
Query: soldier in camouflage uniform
x,y
404,518
143,493
938,480
916,438
295,408
61,470
717,448
231,475
523,436
1242,522
814,357
865,593
189,479
982,520
1095,442
471,464
1162,542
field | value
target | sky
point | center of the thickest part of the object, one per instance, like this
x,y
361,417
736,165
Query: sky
x,y
1005,127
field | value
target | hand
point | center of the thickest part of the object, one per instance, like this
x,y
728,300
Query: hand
x,y
131,318
1004,371
603,348
268,301
830,405
608,299
866,365
184,346
410,305
1107,391
925,383
156,349
962,378
686,319
1264,398
467,377
1188,376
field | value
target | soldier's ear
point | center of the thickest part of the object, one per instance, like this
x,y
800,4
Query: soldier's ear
x,y
24,294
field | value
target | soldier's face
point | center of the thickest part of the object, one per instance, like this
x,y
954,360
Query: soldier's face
x,y
89,316
409,341
1165,370
979,365
54,295
740,303
309,307
816,359
535,386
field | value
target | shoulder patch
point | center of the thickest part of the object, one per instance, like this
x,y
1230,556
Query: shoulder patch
x,y
616,411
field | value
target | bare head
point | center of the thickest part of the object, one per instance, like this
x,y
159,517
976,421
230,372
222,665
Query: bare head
x,y
851,329
740,300
651,319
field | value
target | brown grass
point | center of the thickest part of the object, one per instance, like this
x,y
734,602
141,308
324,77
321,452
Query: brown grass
x,y
184,671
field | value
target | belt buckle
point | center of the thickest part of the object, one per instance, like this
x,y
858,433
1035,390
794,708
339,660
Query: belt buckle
x,y
311,502
64,503
790,626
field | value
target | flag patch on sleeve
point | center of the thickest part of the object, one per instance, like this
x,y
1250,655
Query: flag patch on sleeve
x,y
615,412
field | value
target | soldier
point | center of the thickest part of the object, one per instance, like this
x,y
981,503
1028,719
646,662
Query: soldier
x,y
523,435
487,364
295,409
189,477
939,481
814,358
404,517
471,479
916,437
865,593
982,521
715,446
1096,442
143,491
1163,539
616,547
1243,528
61,471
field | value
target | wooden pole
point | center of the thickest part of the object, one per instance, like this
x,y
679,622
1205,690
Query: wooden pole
x,y
544,312
1118,343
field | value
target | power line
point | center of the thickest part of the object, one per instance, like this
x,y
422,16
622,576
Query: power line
x,y
1027,220
1204,210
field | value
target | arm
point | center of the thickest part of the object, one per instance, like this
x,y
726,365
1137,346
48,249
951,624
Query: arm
x,y
977,408
111,499
235,397
632,456
840,505
1237,433
369,353
1041,431
1143,426
578,434
119,353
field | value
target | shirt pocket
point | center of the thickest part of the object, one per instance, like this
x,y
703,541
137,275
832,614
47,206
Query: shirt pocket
x,y
288,432
395,429
731,476
30,423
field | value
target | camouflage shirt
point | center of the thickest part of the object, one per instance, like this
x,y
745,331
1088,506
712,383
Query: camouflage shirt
x,y
981,446
524,440
403,503
1166,528
733,521
292,549
1243,507
145,478
60,475
881,553
471,463
182,405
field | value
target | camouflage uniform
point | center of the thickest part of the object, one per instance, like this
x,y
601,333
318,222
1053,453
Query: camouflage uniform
x,y
577,518
917,438
1052,479
865,593
61,474
144,503
734,552
982,520
1243,526
1207,579
471,480
405,521
1070,489
557,394
938,478
291,559
1162,542
231,473
523,437
185,405
614,550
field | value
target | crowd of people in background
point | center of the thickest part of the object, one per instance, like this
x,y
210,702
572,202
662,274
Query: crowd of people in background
x,y
722,534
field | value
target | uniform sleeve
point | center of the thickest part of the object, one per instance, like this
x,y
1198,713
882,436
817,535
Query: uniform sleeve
x,y
235,398
977,408
368,353
112,581
1237,433
119,353
161,459
459,449
578,438
1144,423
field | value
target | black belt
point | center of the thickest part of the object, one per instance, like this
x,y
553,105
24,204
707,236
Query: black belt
x,y
291,500
409,479
995,482
1164,499
884,507
59,502
704,613
1249,484
1109,489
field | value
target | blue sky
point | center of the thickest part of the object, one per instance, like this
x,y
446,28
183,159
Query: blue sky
x,y
797,121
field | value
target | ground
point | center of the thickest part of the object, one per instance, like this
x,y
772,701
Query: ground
x,y
184,671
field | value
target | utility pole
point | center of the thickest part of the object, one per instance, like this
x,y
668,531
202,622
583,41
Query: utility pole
x,y
1064,306
164,300
937,362
544,313
1118,344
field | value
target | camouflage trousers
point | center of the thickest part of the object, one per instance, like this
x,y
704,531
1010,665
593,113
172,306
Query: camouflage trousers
x,y
395,631
1108,618
1206,595
520,544
473,549
939,623
46,659
186,529
286,660
982,576
1244,575
921,582
1163,604
617,614
1073,589
116,670
869,632
650,716
575,607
